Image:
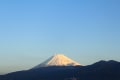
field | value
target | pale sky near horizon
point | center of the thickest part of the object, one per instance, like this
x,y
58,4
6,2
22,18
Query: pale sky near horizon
x,y
33,30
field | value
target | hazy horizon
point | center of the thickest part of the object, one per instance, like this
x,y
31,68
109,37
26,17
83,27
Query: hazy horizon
x,y
31,31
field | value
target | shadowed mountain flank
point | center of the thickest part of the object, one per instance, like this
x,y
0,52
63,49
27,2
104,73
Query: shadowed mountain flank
x,y
102,70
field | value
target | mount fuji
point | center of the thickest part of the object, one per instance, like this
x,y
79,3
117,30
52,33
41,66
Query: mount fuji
x,y
58,60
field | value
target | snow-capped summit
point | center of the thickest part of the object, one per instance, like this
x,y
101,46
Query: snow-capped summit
x,y
58,60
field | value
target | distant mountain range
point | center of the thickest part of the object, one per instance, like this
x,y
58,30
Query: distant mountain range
x,y
102,70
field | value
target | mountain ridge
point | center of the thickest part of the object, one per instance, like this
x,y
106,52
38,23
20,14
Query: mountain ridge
x,y
102,70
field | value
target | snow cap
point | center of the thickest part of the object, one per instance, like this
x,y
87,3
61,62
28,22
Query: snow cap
x,y
58,60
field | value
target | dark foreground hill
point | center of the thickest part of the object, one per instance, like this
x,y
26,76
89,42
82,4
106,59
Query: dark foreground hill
x,y
102,70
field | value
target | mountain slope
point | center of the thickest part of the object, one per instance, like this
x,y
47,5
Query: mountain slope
x,y
57,60
102,70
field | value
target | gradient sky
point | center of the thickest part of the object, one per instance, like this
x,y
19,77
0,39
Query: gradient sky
x,y
33,30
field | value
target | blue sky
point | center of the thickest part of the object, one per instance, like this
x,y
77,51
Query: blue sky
x,y
33,30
